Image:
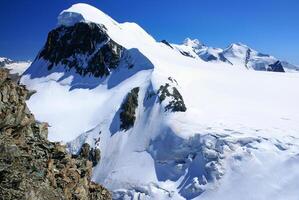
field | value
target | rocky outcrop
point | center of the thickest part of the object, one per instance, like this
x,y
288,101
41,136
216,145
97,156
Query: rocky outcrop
x,y
31,167
276,67
128,108
172,95
166,43
91,154
85,47
184,53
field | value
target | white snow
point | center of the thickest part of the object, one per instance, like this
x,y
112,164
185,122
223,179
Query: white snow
x,y
238,139
18,67
15,67
192,43
2,59
237,55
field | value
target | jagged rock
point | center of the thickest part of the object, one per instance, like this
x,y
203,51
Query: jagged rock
x,y
175,99
276,67
85,149
92,154
98,53
184,53
166,43
128,108
95,156
31,167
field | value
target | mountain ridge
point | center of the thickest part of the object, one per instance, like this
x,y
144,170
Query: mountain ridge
x,y
193,129
15,67
31,167
236,54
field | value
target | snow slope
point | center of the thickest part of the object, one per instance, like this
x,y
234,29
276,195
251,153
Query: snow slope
x,y
238,138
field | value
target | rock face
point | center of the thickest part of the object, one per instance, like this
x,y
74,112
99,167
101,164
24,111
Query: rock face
x,y
173,96
128,108
85,47
166,43
276,67
93,154
31,167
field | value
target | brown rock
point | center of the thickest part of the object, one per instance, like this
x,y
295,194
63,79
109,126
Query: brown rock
x,y
31,167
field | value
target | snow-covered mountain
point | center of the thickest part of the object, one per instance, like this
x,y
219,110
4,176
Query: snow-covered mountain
x,y
15,67
237,55
169,126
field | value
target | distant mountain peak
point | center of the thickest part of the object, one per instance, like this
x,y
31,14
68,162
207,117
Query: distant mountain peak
x,y
15,67
238,47
4,59
172,112
82,12
195,43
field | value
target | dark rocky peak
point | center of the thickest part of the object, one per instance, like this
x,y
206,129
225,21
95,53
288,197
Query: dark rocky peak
x,y
85,47
276,67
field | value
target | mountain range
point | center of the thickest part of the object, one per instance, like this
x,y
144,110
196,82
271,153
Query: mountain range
x,y
237,55
15,67
172,121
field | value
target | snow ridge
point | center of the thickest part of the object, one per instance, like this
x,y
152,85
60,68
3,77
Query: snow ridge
x,y
201,127
237,54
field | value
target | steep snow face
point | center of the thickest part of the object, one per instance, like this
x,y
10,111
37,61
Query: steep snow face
x,y
289,67
197,50
241,55
194,129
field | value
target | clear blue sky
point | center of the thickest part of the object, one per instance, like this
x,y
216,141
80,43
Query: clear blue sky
x,y
270,26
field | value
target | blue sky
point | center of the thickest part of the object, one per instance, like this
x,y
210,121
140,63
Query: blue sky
x,y
270,26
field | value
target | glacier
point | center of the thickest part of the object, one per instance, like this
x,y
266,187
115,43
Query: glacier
x,y
237,139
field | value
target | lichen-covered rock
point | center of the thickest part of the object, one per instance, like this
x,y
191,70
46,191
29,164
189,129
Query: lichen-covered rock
x,y
31,167
128,108
85,47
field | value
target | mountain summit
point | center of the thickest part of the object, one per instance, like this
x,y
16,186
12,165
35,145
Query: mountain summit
x,y
237,54
171,121
196,44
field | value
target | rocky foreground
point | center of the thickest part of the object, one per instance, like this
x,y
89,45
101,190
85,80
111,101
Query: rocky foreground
x,y
31,167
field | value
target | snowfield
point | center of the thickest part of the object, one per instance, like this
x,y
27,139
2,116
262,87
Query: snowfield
x,y
18,67
238,139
